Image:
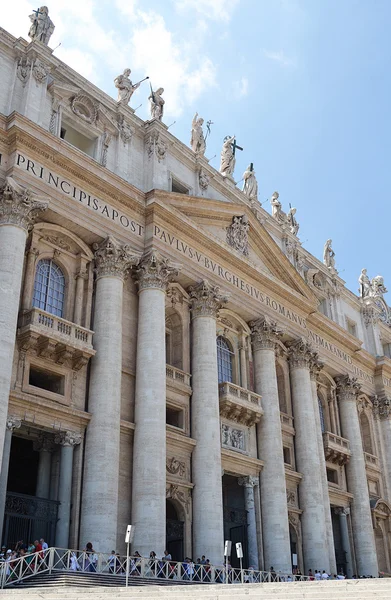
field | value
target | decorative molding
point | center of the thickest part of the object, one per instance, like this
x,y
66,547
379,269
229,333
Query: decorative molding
x,y
203,180
233,438
125,130
44,442
291,497
56,241
23,70
183,496
83,107
175,467
316,366
250,481
68,438
347,387
155,145
106,141
13,423
40,71
206,299
54,116
265,334
155,271
237,234
301,354
113,259
382,407
342,510
19,206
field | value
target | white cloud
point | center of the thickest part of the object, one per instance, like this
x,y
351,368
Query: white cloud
x,y
281,58
215,10
241,87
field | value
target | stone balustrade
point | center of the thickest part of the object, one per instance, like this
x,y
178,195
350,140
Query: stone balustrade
x,y
286,422
336,448
372,461
174,374
52,337
239,405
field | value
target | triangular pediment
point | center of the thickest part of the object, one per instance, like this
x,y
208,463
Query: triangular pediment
x,y
264,254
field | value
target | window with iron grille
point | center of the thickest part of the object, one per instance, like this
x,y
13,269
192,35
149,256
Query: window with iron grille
x,y
224,360
49,287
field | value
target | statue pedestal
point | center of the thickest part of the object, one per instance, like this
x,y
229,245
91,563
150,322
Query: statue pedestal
x,y
229,179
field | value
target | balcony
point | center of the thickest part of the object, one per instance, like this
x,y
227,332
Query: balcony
x,y
336,448
239,405
372,461
287,423
174,375
57,339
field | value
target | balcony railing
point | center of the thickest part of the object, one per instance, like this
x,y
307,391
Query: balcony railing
x,y
286,420
240,405
174,374
336,448
371,460
55,338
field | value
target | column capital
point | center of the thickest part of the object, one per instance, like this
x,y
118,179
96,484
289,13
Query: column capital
x,y
206,299
44,442
155,271
13,422
68,438
343,511
381,407
250,481
265,334
316,366
347,387
19,205
301,354
113,259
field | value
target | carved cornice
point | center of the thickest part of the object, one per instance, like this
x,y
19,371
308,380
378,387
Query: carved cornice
x,y
113,259
68,438
382,407
265,334
206,299
19,206
301,354
347,387
155,271
13,423
316,366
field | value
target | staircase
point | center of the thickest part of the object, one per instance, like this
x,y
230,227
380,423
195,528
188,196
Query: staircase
x,y
78,587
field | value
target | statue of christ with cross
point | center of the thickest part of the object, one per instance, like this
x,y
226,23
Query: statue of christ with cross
x,y
227,162
42,26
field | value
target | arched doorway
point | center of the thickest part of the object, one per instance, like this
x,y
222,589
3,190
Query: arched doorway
x,y
174,532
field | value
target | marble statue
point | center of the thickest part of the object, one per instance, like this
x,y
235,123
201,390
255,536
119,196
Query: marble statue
x,y
378,287
157,104
125,87
227,162
42,26
197,141
250,184
328,255
276,206
365,284
293,224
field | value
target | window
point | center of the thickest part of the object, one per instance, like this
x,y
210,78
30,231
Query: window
x,y
174,417
332,476
46,380
178,187
224,360
321,413
281,389
351,326
366,433
49,287
77,139
287,455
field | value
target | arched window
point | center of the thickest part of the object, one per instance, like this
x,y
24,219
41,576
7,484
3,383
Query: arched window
x,y
49,287
224,360
366,433
321,413
281,389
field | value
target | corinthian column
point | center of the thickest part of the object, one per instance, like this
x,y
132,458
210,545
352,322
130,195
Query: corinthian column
x,y
19,208
149,448
315,367
382,412
248,484
101,462
315,547
275,524
364,539
68,440
208,525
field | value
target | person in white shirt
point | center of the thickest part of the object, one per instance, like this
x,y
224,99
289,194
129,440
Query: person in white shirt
x,y
43,544
317,575
325,575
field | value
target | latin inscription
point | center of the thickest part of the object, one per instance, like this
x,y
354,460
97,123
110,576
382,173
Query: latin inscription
x,y
79,195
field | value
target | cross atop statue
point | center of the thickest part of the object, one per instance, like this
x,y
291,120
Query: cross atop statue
x,y
235,146
227,163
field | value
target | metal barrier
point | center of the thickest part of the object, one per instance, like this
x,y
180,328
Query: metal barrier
x,y
15,570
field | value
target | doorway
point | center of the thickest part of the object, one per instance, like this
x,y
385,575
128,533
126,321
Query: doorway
x,y
174,532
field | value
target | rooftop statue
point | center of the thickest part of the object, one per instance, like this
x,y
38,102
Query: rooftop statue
x,y
125,87
157,103
373,288
328,256
365,284
197,142
227,161
282,217
250,184
42,26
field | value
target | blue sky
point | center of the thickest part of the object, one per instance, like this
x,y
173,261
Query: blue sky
x,y
304,85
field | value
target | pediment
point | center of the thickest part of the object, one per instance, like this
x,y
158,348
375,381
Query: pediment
x,y
216,217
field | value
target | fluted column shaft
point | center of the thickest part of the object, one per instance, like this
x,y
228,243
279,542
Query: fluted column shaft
x,y
149,447
315,368
12,424
364,539
101,464
248,484
208,526
19,208
68,440
315,548
275,523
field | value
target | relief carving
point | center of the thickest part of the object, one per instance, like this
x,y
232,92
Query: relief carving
x,y
175,467
232,438
237,234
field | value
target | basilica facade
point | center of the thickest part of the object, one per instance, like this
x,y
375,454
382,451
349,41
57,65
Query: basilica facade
x,y
171,356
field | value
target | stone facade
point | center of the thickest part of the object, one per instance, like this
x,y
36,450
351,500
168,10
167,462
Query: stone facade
x,y
177,361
